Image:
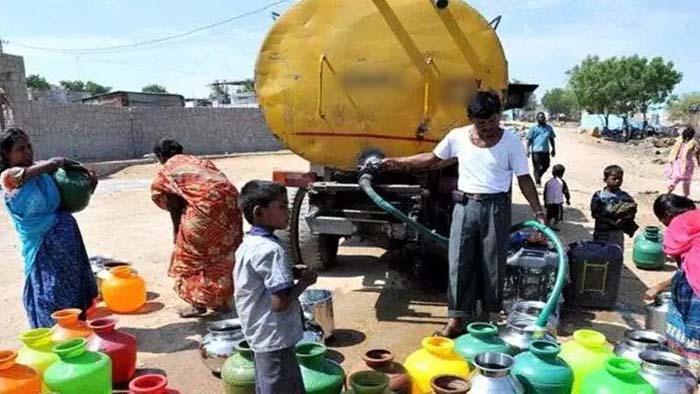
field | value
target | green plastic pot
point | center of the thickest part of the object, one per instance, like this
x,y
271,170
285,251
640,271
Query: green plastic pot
x,y
79,371
620,376
648,251
541,371
320,376
480,338
74,186
238,371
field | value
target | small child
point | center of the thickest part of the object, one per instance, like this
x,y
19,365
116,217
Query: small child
x,y
265,294
555,192
613,210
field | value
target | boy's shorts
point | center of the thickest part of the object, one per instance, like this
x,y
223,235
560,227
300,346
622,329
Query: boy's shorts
x,y
278,372
555,212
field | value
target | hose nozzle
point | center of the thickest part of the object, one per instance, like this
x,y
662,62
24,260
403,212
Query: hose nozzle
x,y
370,163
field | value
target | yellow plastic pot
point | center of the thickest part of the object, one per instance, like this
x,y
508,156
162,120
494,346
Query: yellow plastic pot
x,y
587,352
437,357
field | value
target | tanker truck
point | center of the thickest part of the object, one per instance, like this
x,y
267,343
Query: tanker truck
x,y
343,83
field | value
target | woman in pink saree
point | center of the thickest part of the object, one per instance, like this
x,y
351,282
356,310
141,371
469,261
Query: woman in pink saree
x,y
682,243
684,154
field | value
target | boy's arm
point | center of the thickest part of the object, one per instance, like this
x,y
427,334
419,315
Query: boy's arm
x,y
282,300
596,206
565,190
598,211
278,278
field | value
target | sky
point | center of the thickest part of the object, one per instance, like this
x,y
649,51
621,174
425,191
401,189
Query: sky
x,y
542,38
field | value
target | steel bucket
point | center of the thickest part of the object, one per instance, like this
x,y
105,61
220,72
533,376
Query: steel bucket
x,y
319,304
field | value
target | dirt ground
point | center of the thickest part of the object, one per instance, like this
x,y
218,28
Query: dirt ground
x,y
375,305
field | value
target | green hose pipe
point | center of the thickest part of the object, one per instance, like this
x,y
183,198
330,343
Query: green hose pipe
x,y
366,186
562,271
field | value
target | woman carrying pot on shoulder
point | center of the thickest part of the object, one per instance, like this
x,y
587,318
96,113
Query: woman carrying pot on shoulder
x,y
56,265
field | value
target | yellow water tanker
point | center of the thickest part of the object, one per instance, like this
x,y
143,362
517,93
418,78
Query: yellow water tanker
x,y
336,78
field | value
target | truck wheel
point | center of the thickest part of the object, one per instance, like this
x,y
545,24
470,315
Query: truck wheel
x,y
318,252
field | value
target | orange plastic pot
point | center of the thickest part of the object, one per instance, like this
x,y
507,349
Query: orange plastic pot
x,y
17,378
68,325
124,291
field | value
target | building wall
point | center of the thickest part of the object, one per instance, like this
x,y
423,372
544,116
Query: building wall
x,y
12,80
100,133
82,132
204,130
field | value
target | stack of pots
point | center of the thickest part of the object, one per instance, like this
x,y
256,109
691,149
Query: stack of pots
x,y
382,361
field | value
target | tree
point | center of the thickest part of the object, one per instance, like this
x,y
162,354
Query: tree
x,y
153,88
95,88
73,86
37,82
622,85
597,86
560,101
685,109
79,86
649,82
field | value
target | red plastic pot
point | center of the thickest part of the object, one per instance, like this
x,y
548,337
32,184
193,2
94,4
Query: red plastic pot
x,y
119,346
151,384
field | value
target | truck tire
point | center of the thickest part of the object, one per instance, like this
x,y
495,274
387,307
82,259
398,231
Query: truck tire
x,y
316,251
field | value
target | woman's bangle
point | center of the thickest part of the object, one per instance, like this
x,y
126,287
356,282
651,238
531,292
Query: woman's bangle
x,y
539,213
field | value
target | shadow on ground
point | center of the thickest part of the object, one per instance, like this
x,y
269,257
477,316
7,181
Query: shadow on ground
x,y
404,297
169,338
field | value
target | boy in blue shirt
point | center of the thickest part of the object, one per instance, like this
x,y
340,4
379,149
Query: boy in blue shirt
x,y
265,294
538,140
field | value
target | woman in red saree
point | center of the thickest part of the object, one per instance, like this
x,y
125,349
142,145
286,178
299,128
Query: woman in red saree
x,y
207,225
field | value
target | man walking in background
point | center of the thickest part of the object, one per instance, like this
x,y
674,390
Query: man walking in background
x,y
538,140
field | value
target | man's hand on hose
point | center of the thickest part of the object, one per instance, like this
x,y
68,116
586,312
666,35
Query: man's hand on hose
x,y
390,163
